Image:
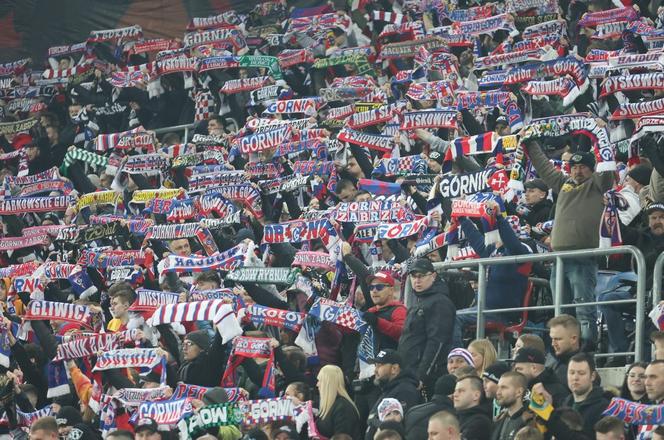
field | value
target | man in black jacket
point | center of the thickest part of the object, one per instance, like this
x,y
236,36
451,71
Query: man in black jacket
x,y
538,204
427,334
530,362
586,398
418,416
474,420
393,382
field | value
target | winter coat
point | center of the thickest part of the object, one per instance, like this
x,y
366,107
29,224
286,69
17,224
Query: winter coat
x,y
591,408
389,325
578,207
341,419
558,365
404,389
539,212
417,417
207,368
506,427
475,423
428,330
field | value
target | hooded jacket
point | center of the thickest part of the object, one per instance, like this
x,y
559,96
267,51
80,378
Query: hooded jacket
x,y
404,389
417,418
475,423
428,330
591,408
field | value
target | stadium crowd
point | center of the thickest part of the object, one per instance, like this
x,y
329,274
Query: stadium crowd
x,y
248,278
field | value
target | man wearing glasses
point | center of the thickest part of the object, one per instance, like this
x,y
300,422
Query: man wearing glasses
x,y
387,316
427,334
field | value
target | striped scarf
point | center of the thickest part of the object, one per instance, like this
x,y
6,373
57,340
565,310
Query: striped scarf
x,y
75,313
283,319
390,17
254,348
609,227
216,310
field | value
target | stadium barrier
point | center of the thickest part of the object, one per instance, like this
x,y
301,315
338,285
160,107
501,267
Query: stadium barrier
x,y
558,306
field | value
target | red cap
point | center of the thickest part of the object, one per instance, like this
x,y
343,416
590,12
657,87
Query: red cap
x,y
21,140
383,277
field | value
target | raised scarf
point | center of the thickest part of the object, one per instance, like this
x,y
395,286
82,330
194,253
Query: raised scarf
x,y
208,417
262,275
183,230
383,144
372,211
388,231
150,300
215,310
262,315
255,348
227,260
319,260
337,313
430,119
74,313
126,33
609,227
89,346
168,412
132,397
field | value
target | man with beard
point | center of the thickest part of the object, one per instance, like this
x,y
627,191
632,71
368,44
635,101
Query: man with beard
x,y
578,213
512,388
393,382
651,242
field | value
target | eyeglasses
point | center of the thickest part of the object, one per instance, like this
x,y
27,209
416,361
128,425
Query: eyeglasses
x,y
419,276
377,287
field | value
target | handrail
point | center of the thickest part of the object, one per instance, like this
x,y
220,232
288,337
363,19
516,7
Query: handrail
x,y
657,279
558,305
172,128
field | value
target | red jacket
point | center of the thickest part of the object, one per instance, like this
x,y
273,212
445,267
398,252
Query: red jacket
x,y
391,318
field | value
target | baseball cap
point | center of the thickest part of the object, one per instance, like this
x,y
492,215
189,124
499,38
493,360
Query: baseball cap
x,y
583,158
387,356
495,370
654,207
502,120
383,277
536,183
146,424
421,265
437,157
68,416
529,354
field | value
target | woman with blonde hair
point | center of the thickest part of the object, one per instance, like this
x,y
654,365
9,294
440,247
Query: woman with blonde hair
x,y
337,413
483,353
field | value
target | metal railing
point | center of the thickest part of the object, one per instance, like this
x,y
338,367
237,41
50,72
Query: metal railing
x,y
657,280
173,128
557,306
